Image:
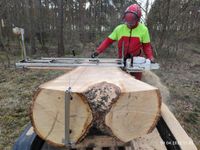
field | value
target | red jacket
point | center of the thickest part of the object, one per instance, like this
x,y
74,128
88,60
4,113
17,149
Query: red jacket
x,y
133,40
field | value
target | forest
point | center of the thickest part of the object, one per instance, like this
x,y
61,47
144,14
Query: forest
x,y
57,27
61,26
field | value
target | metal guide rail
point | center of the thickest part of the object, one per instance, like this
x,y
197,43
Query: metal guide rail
x,y
136,64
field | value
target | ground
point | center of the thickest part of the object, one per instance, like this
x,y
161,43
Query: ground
x,y
181,76
16,91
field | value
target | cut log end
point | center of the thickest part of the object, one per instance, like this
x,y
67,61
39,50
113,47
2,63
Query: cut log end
x,y
108,99
134,115
48,116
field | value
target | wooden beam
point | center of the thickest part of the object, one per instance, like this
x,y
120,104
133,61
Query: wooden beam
x,y
184,141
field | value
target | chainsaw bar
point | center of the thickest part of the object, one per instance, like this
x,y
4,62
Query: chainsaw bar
x,y
139,64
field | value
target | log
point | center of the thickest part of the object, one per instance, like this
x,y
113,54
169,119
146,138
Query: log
x,y
105,99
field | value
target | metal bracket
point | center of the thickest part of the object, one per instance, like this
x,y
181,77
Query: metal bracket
x,y
20,31
68,97
23,44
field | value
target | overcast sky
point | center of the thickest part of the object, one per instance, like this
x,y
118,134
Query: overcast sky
x,y
144,1
143,4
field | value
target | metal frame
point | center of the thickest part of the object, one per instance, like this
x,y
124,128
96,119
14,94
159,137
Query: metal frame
x,y
127,64
69,62
68,97
23,44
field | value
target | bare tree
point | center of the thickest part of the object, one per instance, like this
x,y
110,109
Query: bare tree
x,y
146,10
60,28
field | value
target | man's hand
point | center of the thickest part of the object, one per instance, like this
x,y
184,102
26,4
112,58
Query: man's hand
x,y
94,55
153,60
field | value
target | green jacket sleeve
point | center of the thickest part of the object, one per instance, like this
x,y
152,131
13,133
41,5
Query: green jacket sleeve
x,y
146,37
114,34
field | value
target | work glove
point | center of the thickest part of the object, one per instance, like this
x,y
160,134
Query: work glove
x,y
94,55
153,60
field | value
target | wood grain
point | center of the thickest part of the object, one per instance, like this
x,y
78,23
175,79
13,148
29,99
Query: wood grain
x,y
128,107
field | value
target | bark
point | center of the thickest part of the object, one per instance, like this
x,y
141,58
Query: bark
x,y
100,97
32,24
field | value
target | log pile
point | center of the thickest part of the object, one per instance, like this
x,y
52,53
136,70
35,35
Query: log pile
x,y
105,99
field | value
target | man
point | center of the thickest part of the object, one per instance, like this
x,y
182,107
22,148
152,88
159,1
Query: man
x,y
131,35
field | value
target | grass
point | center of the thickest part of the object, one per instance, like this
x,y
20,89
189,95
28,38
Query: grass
x,y
182,78
16,91
194,47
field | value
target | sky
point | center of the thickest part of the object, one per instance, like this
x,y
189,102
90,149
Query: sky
x,y
141,2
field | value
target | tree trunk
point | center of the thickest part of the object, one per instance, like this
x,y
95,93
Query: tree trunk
x,y
165,23
32,24
105,99
60,28
81,20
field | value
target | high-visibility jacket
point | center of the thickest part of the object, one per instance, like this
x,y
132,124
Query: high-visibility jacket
x,y
133,40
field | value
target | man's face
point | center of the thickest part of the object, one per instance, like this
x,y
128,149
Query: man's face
x,y
130,19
